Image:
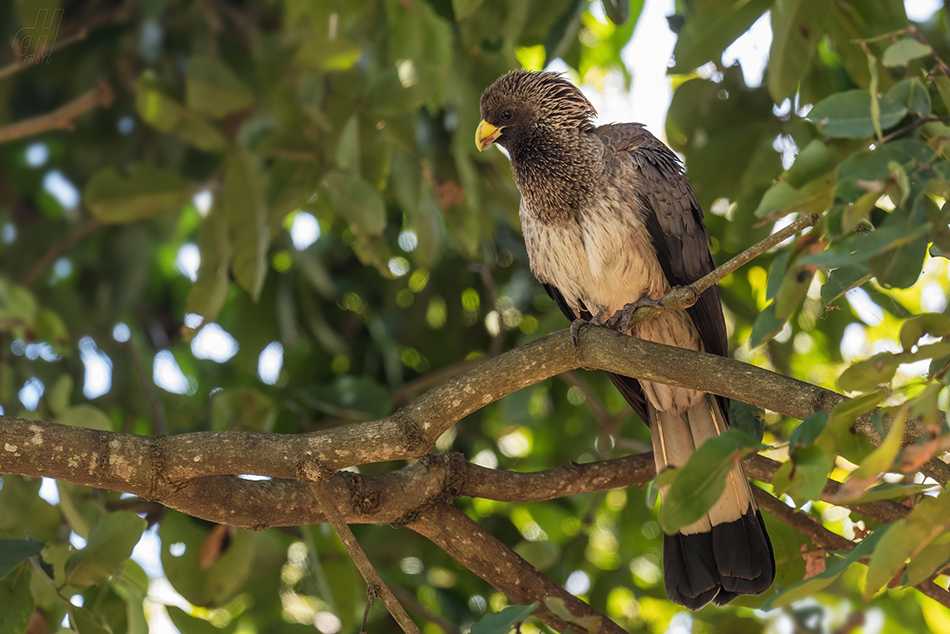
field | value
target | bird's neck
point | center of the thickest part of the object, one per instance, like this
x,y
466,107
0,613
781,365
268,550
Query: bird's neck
x,y
555,173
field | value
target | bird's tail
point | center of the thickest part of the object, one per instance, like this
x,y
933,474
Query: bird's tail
x,y
727,553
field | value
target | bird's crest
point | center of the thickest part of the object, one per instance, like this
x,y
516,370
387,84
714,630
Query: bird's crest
x,y
561,97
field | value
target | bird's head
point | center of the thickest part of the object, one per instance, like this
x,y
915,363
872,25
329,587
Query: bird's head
x,y
521,102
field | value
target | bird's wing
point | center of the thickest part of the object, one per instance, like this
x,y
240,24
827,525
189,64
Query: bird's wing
x,y
674,221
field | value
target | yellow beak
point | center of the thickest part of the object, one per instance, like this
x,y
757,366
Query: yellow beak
x,y
485,134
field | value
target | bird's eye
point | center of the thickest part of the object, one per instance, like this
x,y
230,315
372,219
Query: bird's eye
x,y
506,115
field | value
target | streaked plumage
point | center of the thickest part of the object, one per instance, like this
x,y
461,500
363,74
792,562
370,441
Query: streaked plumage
x,y
608,219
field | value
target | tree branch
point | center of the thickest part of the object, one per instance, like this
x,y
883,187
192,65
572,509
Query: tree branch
x,y
61,118
375,585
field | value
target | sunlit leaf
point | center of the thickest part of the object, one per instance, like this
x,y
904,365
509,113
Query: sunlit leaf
x,y
903,51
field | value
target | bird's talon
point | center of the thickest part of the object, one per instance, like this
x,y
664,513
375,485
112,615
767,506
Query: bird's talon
x,y
576,326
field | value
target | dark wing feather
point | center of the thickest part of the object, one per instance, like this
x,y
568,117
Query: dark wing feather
x,y
675,224
629,388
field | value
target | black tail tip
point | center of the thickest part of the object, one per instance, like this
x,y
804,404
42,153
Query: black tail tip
x,y
733,559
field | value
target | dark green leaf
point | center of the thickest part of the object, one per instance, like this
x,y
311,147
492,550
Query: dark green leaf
x,y
244,210
13,551
16,601
141,192
797,27
911,93
862,247
357,202
705,37
213,89
843,279
85,415
242,409
503,621
765,327
701,481
848,114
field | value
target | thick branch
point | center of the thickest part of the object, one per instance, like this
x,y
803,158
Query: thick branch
x,y
160,465
61,118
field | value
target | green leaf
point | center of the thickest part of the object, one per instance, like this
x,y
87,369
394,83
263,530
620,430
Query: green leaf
x,y
861,247
86,622
782,199
848,114
84,415
805,475
211,88
348,147
792,292
357,202
932,324
879,461
843,279
797,27
16,601
928,561
912,93
210,290
165,114
705,37
110,544
906,539
766,326
503,621
142,191
866,375
352,397
700,482
903,51
13,551
242,204
890,491
834,569
900,267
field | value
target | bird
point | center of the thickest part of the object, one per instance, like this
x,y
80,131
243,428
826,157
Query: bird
x,y
610,224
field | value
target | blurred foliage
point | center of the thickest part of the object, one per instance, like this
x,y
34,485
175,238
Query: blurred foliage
x,y
236,122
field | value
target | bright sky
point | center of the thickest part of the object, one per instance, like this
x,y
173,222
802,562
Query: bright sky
x,y
647,102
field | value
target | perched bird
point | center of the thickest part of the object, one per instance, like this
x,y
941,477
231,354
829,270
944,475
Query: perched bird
x,y
609,220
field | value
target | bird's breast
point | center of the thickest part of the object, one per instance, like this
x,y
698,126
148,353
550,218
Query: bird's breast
x,y
602,257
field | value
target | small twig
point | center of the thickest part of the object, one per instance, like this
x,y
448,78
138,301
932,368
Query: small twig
x,y
372,592
911,126
61,118
56,250
318,488
682,297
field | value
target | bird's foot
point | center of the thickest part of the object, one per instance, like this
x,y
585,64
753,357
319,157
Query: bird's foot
x,y
620,321
576,326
